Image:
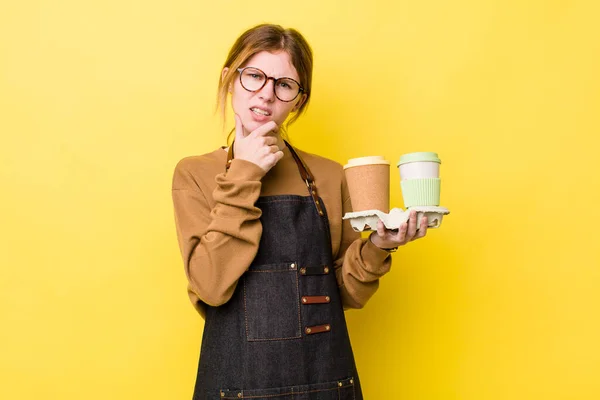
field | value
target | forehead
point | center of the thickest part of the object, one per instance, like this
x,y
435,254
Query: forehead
x,y
273,64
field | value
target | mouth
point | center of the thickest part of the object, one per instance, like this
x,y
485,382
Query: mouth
x,y
260,111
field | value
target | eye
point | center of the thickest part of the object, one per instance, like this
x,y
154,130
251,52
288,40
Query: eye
x,y
285,85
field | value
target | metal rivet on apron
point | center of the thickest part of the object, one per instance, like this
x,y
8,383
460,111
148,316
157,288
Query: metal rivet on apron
x,y
317,202
313,192
326,270
222,394
240,395
327,327
327,299
308,330
352,381
340,384
321,213
293,266
304,300
303,271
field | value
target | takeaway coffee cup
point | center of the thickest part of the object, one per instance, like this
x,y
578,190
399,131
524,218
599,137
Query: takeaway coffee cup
x,y
420,179
369,183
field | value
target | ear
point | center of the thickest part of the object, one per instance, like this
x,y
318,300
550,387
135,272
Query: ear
x,y
300,102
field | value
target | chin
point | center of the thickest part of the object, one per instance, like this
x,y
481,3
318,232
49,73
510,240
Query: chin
x,y
251,125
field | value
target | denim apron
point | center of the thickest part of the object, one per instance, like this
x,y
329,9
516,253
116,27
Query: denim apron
x,y
283,334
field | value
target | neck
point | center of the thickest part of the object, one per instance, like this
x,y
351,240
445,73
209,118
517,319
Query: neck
x,y
280,144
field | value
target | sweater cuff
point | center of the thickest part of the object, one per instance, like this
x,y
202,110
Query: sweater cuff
x,y
242,170
376,258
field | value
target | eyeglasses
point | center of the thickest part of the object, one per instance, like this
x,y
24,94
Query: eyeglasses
x,y
253,80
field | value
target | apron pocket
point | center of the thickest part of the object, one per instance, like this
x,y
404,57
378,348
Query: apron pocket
x,y
272,302
336,390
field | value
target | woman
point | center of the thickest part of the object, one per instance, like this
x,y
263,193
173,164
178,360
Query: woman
x,y
270,264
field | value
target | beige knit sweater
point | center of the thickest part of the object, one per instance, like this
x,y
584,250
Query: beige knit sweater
x,y
219,229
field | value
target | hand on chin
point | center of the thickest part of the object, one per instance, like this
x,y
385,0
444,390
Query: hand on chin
x,y
253,125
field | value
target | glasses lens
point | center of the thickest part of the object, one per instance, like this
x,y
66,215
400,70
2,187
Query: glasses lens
x,y
286,89
253,79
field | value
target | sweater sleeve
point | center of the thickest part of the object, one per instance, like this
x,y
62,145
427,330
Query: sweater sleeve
x,y
217,243
359,264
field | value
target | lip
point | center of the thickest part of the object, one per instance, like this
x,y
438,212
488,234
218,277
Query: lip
x,y
260,117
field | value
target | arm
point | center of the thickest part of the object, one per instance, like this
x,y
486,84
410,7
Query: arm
x,y
217,243
360,263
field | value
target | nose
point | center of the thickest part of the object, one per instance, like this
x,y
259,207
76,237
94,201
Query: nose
x,y
267,93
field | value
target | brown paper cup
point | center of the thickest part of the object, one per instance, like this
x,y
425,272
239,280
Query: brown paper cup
x,y
369,183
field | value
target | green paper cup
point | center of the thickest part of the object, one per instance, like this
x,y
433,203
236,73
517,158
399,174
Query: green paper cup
x,y
420,179
421,192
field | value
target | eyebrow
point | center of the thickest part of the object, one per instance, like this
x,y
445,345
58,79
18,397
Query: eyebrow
x,y
270,76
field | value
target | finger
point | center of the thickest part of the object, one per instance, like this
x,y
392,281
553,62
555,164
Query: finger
x,y
277,156
401,237
269,140
266,151
412,225
380,228
422,229
239,127
270,128
270,160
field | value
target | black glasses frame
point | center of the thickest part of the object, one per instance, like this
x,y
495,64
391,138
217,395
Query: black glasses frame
x,y
275,80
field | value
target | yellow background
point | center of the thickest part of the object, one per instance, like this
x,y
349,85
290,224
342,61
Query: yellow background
x,y
100,99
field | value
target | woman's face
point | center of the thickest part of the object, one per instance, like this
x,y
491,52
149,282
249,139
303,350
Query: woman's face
x,y
259,107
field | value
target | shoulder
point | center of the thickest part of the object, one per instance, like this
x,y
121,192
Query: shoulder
x,y
191,171
324,169
212,159
319,161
